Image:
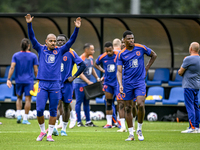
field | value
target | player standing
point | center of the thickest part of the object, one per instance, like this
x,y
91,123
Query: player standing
x,y
84,80
23,62
68,61
108,59
132,58
49,75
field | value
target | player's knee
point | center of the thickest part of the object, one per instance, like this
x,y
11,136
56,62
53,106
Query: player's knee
x,y
128,109
121,106
66,106
140,104
53,113
108,107
40,112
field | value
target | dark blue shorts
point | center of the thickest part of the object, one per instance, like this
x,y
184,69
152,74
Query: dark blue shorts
x,y
24,88
66,93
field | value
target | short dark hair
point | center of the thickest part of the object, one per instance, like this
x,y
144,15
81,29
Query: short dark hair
x,y
66,38
108,44
87,45
24,44
127,32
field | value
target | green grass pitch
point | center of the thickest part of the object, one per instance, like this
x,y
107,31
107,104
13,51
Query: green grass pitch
x,y
158,136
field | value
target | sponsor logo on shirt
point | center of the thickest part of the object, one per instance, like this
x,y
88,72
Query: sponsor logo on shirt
x,y
111,68
50,58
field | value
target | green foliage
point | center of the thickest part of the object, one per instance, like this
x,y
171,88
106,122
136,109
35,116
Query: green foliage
x,y
100,6
158,136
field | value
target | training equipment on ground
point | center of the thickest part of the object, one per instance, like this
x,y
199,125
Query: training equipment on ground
x,y
30,115
10,113
152,116
46,114
34,114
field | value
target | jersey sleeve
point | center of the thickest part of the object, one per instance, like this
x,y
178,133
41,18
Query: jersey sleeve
x,y
76,58
13,59
119,59
35,43
98,60
65,48
186,63
35,61
147,50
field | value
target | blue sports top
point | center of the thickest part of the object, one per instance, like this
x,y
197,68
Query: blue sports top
x,y
24,66
88,70
191,76
50,60
133,62
110,67
69,58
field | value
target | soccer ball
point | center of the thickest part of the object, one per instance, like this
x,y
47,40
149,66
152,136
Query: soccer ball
x,y
152,116
83,115
46,114
30,115
101,115
95,116
10,113
34,114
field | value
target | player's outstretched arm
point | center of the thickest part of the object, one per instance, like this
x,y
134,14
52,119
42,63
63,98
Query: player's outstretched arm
x,y
31,34
65,48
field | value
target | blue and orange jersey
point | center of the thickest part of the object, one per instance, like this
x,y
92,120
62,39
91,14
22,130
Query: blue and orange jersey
x,y
133,62
69,59
88,70
50,60
110,67
24,66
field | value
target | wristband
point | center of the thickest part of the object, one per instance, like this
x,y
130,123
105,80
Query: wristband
x,y
98,78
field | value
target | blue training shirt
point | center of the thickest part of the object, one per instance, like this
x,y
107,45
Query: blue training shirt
x,y
69,58
24,66
110,67
191,76
87,71
50,60
133,62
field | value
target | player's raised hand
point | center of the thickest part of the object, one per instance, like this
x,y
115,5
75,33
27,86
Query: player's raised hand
x,y
29,18
78,22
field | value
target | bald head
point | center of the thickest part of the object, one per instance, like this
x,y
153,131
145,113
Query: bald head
x,y
117,43
194,46
51,35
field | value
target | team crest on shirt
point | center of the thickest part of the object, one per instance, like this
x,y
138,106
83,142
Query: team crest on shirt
x,y
138,53
65,58
50,58
55,52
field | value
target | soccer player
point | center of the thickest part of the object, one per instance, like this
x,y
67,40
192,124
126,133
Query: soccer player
x,y
84,80
68,61
23,62
49,75
110,79
132,58
190,70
